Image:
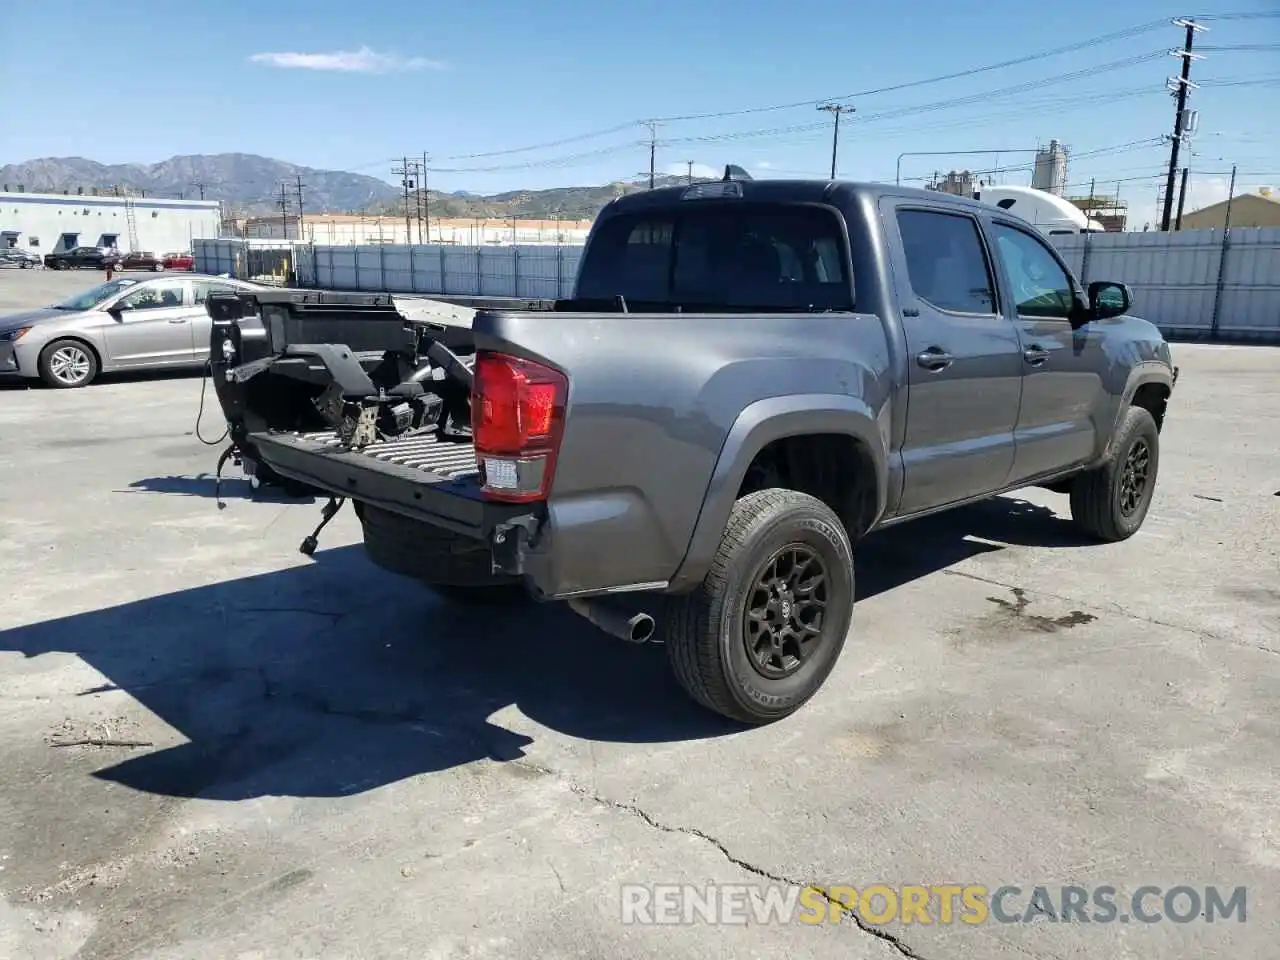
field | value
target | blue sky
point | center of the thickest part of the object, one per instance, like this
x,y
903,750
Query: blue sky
x,y
337,84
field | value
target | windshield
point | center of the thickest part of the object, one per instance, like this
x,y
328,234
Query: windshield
x,y
91,298
720,256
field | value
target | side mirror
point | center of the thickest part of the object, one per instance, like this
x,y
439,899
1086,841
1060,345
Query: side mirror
x,y
1108,299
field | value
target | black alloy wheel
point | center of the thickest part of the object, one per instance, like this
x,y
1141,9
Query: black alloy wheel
x,y
785,609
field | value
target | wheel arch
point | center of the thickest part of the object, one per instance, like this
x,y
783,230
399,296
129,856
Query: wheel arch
x,y
1149,385
760,427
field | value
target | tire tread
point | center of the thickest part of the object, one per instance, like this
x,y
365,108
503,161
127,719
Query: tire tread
x,y
694,619
1093,505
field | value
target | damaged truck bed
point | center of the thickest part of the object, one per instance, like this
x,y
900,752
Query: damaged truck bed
x,y
383,416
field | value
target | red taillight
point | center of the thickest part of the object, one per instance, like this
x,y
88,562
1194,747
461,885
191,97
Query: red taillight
x,y
517,410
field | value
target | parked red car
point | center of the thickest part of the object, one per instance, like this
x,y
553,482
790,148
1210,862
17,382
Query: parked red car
x,y
179,261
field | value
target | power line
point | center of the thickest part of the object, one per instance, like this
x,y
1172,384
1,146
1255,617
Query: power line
x,y
1114,36
1241,47
769,132
1125,34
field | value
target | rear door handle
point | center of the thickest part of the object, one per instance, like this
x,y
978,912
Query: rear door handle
x,y
177,319
935,359
1035,355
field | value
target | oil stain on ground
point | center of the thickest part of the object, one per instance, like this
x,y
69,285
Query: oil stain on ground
x,y
1017,610
1010,620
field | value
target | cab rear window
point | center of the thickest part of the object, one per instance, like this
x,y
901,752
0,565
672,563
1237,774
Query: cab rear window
x,y
707,256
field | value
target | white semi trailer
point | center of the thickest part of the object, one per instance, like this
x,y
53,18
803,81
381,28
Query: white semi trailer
x,y
1050,213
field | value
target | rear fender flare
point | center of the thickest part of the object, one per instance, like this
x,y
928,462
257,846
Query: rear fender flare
x,y
758,425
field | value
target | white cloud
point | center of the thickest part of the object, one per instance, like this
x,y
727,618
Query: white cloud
x,y
764,164
700,171
363,60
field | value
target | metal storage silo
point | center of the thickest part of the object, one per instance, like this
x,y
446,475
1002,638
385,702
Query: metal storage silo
x,y
1051,169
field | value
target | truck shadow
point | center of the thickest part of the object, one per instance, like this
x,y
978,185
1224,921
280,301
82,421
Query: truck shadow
x,y
896,555
334,678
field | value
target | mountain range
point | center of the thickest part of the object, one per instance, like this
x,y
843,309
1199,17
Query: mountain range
x,y
248,184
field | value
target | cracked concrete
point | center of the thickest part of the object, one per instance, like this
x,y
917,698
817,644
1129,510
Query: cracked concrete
x,y
341,767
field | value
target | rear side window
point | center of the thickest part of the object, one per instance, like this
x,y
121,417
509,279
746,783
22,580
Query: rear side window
x,y
945,261
716,255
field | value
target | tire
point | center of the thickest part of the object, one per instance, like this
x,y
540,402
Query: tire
x,y
450,565
67,364
706,635
1103,501
158,268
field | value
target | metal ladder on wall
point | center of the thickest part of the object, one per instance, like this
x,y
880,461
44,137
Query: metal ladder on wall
x,y
131,221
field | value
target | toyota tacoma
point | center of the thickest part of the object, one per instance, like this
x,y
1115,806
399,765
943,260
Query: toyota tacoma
x,y
750,376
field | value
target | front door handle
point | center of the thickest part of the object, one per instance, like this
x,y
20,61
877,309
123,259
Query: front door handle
x,y
177,319
935,359
1035,355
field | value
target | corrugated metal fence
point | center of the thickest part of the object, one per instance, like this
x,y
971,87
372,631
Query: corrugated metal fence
x,y
525,271
1190,283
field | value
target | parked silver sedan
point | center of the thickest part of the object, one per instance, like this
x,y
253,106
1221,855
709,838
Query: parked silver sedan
x,y
123,324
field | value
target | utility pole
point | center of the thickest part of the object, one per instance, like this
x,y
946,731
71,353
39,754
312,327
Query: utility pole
x,y
426,197
1182,198
415,184
836,109
653,149
689,163
200,186
283,204
298,180
1179,85
403,171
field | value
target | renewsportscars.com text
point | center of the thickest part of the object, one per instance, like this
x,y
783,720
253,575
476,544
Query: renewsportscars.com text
x,y
943,904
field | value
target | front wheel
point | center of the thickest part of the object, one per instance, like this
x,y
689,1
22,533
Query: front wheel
x,y
67,363
1111,501
759,636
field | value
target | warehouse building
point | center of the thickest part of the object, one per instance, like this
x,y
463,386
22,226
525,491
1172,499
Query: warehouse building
x,y
48,222
1259,209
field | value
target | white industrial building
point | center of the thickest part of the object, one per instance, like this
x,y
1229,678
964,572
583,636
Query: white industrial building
x,y
47,222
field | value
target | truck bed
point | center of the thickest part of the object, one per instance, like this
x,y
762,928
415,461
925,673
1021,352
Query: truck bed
x,y
425,477
435,458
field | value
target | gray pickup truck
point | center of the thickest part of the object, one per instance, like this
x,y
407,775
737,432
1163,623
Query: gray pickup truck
x,y
750,377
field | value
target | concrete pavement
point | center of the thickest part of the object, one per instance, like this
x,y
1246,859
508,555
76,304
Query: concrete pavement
x,y
311,758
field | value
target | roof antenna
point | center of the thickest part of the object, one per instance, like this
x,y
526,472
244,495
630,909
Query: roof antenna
x,y
734,172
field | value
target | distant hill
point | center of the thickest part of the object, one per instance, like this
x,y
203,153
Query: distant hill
x,y
566,203
244,182
248,184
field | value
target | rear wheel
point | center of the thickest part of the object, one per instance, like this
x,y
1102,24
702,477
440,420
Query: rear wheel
x,y
454,567
759,636
67,363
